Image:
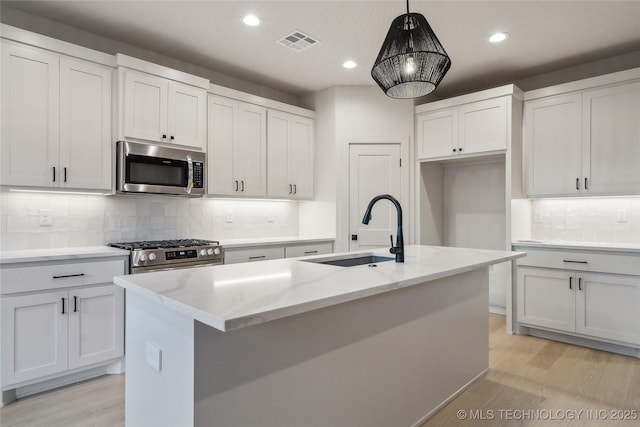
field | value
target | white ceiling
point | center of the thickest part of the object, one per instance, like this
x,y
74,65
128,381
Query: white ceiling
x,y
544,35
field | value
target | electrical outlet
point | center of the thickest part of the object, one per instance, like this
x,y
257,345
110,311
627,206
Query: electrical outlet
x,y
154,357
46,217
621,215
229,216
537,216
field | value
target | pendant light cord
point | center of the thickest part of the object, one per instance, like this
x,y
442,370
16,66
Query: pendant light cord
x,y
407,7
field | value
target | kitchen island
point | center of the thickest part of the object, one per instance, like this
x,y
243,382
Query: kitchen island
x,y
294,343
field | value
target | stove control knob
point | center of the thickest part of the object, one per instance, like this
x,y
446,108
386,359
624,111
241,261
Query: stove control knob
x,y
216,251
209,251
142,258
203,252
152,256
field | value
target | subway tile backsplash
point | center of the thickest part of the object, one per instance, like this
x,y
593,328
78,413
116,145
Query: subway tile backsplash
x,y
84,220
605,220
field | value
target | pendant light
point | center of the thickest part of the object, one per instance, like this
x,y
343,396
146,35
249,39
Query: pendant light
x,y
411,62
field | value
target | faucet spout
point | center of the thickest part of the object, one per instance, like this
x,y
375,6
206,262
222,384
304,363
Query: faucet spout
x,y
398,249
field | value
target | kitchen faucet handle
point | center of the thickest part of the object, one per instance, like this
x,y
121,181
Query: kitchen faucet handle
x,y
394,249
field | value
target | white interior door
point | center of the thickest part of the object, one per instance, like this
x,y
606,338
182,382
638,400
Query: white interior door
x,y
373,169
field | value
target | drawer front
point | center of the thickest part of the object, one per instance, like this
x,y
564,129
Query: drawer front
x,y
234,256
28,278
308,249
618,263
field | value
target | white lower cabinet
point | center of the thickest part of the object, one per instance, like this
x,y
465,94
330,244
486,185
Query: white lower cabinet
x,y
252,254
59,318
596,305
309,249
96,325
34,337
52,332
263,253
608,306
546,298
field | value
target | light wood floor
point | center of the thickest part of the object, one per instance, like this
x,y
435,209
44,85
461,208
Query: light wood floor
x,y
532,382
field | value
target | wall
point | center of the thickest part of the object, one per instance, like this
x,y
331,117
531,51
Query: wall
x,y
85,220
586,219
355,114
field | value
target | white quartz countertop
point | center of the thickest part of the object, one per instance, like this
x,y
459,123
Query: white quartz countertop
x,y
592,246
59,254
266,241
234,296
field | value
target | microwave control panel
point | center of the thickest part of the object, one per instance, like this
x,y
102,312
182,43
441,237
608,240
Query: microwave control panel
x,y
198,175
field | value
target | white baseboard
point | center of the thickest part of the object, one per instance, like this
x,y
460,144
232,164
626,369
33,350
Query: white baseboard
x,y
493,309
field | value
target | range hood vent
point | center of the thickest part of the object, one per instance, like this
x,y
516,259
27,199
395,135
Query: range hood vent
x,y
298,41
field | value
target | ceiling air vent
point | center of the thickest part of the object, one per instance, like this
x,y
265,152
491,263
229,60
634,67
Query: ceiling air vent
x,y
298,41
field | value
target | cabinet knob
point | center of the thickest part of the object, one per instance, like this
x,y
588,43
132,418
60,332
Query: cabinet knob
x,y
454,150
172,137
164,136
459,149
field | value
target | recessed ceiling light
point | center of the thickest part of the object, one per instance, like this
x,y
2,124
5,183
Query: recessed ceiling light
x,y
251,20
498,37
349,64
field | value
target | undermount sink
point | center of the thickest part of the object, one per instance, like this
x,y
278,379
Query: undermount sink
x,y
351,260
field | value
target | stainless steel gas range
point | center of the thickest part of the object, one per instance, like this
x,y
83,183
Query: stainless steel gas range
x,y
158,255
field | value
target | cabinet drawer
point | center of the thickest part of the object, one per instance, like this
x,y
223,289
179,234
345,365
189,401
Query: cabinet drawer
x,y
619,263
27,278
234,256
308,249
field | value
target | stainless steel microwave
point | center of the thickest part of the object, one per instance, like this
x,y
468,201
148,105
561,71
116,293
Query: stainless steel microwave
x,y
154,169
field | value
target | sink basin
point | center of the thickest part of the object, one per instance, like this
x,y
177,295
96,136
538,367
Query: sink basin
x,y
351,260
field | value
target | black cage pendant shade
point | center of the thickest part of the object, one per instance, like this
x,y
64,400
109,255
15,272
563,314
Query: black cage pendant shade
x,y
411,62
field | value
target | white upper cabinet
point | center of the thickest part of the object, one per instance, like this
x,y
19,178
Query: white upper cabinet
x,y
145,106
469,128
161,110
611,140
187,115
586,142
552,135
56,121
30,116
290,156
85,125
236,148
437,133
483,126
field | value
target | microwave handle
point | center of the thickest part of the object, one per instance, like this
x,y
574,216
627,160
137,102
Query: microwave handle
x,y
190,177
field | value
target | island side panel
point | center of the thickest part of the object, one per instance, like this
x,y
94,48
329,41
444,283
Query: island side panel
x,y
386,360
165,397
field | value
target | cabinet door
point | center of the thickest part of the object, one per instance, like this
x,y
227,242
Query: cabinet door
x,y
30,117
278,134
221,135
250,150
301,157
483,126
34,336
145,106
308,249
553,145
546,298
85,125
96,325
611,148
252,254
608,306
187,115
437,133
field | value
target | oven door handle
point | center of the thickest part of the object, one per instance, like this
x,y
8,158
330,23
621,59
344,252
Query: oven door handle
x,y
190,176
